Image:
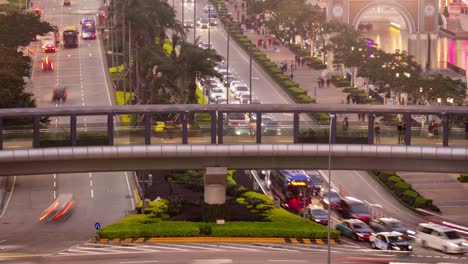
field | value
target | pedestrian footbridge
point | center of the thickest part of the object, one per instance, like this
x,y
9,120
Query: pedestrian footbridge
x,y
119,138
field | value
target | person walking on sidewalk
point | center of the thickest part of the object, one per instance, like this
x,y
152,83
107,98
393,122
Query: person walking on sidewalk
x,y
345,126
328,82
291,76
377,132
400,130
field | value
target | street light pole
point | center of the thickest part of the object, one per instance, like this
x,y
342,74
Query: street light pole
x,y
250,72
329,188
209,27
183,11
227,57
194,20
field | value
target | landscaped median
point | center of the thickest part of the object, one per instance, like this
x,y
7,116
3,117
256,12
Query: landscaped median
x,y
259,218
402,191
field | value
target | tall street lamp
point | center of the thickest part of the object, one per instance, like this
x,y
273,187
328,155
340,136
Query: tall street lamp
x,y
227,58
209,27
183,11
329,187
194,20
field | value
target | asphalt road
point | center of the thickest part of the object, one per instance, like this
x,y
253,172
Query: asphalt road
x,y
99,197
219,253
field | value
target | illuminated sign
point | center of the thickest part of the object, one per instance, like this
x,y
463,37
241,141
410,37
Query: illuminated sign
x,y
298,183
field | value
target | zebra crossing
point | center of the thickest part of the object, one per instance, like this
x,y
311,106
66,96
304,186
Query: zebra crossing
x,y
90,248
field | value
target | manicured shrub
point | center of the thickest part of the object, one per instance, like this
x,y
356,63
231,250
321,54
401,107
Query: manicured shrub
x,y
384,175
296,91
409,197
305,99
401,187
289,83
421,202
205,229
463,177
393,180
275,70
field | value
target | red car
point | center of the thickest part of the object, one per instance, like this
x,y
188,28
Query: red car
x,y
49,48
47,64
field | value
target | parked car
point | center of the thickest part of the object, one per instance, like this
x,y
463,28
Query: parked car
x,y
318,214
388,224
355,229
334,198
440,237
390,241
350,207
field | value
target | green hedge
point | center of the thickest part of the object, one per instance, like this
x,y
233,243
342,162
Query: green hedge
x,y
402,191
463,177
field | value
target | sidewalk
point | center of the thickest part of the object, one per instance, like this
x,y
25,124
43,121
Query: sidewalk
x,y
447,193
305,77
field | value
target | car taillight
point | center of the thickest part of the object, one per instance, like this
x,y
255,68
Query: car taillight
x,y
63,211
42,66
49,211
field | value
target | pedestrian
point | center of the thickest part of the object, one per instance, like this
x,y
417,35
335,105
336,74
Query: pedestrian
x,y
291,75
269,41
242,5
400,133
434,129
322,82
377,132
303,61
235,6
345,126
318,83
348,98
328,82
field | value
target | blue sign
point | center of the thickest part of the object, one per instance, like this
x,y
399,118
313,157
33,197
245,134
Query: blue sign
x,y
97,225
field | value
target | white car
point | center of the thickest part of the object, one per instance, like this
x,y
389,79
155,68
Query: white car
x,y
240,91
203,23
217,92
440,237
235,84
205,45
188,23
389,241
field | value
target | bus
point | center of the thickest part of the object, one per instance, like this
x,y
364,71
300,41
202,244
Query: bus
x,y
88,28
296,188
70,37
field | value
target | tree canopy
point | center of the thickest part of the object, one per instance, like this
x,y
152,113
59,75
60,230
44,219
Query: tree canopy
x,y
18,28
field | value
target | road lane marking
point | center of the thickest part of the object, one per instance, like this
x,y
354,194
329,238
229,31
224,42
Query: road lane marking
x,y
91,183
139,261
92,193
9,197
129,190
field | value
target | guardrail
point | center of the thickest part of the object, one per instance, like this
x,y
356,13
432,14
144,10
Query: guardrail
x,y
73,130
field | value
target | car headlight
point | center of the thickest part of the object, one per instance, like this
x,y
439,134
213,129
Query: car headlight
x,y
317,220
396,247
238,133
410,247
450,244
360,235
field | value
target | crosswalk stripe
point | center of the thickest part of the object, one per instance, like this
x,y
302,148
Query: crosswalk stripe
x,y
204,247
260,248
100,249
239,248
82,251
155,246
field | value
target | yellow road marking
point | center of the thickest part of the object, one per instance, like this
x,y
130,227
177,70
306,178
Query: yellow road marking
x,y
128,240
319,241
332,242
294,240
103,240
140,239
116,240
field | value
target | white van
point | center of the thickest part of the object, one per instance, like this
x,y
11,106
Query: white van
x,y
440,237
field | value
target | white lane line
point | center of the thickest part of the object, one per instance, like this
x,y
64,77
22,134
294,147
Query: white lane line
x,y
139,261
195,247
266,246
91,183
129,190
286,260
240,248
169,248
105,250
92,193
9,197
1,241
81,251
55,195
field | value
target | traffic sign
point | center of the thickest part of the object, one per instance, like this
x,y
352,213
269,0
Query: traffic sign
x,y
97,225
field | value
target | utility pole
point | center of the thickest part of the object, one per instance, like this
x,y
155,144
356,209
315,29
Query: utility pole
x,y
183,11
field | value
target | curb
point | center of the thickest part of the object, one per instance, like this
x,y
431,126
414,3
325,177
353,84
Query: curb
x,y
214,239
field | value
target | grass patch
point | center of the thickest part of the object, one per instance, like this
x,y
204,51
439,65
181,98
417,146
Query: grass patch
x,y
119,100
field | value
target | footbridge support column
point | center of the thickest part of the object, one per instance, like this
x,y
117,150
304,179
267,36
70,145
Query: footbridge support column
x,y
215,194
